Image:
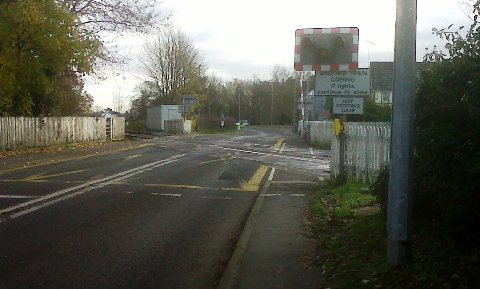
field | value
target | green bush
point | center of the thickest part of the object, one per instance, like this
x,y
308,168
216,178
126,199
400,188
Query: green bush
x,y
379,188
139,125
447,133
447,159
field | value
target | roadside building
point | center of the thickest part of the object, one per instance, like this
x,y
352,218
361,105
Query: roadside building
x,y
381,74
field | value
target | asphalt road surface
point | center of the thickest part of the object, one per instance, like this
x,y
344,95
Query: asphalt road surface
x,y
164,215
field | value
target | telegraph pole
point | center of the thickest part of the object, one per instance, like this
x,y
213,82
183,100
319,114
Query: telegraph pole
x,y
399,187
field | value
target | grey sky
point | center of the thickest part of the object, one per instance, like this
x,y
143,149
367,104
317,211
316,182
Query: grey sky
x,y
240,39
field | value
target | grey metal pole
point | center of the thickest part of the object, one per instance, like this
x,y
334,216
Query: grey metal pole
x,y
271,109
399,187
294,103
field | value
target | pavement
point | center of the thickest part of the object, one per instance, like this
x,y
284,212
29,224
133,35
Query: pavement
x,y
274,250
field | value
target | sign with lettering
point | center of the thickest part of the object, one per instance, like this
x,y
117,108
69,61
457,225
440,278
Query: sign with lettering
x,y
348,105
343,83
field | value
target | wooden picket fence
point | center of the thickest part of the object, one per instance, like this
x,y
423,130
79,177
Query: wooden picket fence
x,y
27,132
367,147
367,150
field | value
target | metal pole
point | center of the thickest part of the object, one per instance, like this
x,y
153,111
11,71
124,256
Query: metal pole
x,y
271,109
294,103
238,106
183,105
399,187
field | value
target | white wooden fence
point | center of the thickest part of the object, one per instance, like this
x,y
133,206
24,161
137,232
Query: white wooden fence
x,y
367,147
16,132
367,150
118,128
319,132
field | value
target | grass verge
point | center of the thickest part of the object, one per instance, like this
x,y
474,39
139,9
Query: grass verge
x,y
351,247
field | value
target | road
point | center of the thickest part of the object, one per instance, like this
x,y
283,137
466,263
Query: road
x,y
164,215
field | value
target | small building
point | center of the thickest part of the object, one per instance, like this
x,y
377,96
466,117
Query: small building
x,y
109,113
381,74
157,114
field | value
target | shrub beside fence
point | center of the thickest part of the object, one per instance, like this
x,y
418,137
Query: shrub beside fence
x,y
16,132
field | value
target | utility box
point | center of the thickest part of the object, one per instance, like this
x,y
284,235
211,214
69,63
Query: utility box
x,y
157,114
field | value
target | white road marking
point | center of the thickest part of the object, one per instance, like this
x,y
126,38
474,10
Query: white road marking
x,y
270,195
283,147
237,151
297,195
81,189
216,198
311,151
295,182
17,197
272,173
168,195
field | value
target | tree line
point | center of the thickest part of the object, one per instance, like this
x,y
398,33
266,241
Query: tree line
x,y
173,67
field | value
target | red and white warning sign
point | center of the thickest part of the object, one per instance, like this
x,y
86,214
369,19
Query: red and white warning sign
x,y
326,49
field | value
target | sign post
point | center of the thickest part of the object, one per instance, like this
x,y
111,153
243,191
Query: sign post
x,y
222,120
333,54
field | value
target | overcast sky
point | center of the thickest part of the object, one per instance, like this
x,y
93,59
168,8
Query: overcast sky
x,y
240,39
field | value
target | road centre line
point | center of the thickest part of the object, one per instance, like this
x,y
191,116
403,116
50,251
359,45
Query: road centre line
x,y
64,193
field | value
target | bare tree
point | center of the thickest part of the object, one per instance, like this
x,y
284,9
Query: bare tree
x,y
99,18
115,15
281,73
118,102
173,64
